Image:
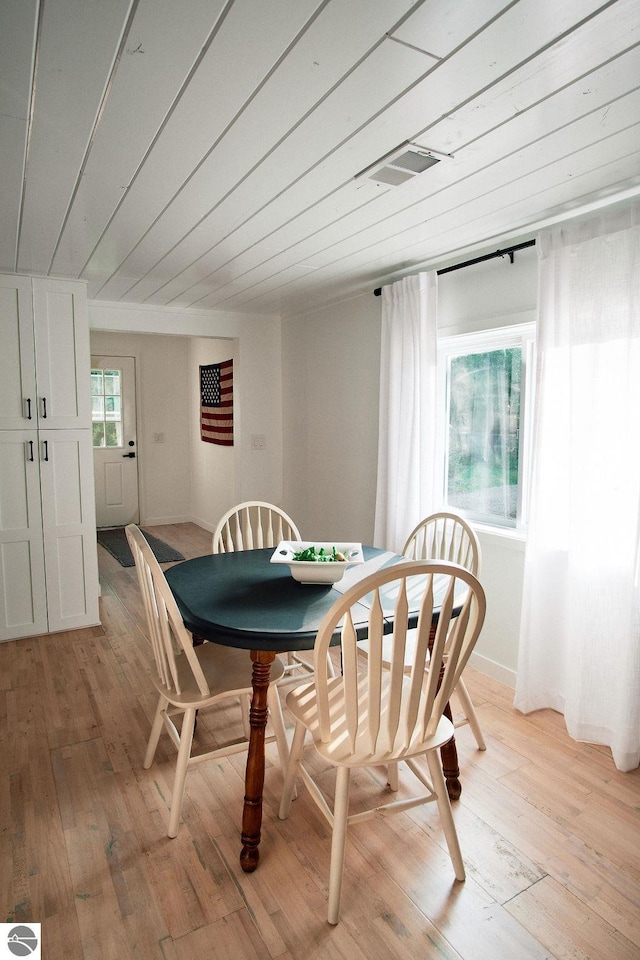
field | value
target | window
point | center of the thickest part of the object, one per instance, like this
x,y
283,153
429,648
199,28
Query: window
x,y
485,394
106,408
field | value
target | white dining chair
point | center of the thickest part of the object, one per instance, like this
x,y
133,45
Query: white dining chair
x,y
375,713
190,679
255,525
446,535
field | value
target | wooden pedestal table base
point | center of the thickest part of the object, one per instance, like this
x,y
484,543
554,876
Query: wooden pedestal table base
x,y
254,777
448,751
450,768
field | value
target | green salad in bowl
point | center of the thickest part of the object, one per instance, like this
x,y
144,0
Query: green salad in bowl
x,y
316,562
321,555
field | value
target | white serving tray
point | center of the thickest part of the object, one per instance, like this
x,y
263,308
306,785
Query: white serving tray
x,y
317,571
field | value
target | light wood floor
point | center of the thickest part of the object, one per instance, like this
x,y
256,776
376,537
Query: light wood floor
x,y
549,829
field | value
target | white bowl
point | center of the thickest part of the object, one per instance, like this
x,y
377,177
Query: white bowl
x,y
317,571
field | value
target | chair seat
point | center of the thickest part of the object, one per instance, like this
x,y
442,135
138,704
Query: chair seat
x,y
227,670
302,703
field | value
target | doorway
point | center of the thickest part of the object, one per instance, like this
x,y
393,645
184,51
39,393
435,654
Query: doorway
x,y
115,462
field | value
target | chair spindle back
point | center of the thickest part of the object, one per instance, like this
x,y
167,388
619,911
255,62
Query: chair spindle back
x,y
169,637
441,593
253,525
445,536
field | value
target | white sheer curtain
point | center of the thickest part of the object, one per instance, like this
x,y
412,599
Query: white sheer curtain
x,y
580,629
408,398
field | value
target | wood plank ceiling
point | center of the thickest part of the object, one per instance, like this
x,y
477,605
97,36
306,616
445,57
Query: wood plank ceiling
x,y
205,153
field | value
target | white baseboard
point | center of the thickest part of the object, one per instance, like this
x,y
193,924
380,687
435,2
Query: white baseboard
x,y
163,521
209,527
494,670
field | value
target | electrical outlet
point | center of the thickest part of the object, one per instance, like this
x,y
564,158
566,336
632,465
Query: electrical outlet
x,y
257,441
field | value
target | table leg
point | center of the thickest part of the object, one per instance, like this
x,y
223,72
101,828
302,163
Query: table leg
x,y
448,751
254,777
450,768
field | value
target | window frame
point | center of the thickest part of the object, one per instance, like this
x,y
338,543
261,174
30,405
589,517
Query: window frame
x,y
451,345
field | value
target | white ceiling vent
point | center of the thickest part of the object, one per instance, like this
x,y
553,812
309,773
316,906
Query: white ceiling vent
x,y
402,164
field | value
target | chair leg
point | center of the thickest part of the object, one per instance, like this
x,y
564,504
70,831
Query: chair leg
x,y
295,754
277,722
470,713
154,736
245,706
393,779
338,842
446,816
182,764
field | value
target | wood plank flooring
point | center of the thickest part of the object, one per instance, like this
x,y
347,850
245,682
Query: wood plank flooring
x,y
549,829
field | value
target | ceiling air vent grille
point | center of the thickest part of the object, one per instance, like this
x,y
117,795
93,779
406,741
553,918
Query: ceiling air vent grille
x,y
402,164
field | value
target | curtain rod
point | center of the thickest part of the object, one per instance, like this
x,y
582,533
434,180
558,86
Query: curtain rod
x,y
507,252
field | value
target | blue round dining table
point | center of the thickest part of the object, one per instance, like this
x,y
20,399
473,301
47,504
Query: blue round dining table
x,y
241,599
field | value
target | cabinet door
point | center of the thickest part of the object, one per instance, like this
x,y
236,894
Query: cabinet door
x,y
23,603
68,523
63,358
17,364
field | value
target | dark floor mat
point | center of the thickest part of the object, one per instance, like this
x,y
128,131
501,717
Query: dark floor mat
x,y
115,541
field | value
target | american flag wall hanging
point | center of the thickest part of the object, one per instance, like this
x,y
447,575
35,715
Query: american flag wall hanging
x,y
216,403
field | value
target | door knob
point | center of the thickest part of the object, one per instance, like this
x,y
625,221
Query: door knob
x,y
131,455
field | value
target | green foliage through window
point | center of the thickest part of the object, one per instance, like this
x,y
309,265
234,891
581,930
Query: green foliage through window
x,y
485,378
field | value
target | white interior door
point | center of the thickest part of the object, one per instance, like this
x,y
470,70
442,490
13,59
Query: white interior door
x,y
113,411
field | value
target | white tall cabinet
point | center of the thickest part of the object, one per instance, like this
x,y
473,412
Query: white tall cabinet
x,y
48,553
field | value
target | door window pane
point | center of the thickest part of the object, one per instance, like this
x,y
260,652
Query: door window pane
x,y
112,408
106,407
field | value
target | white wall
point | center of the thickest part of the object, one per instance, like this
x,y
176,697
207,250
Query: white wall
x,y
487,294
330,402
185,478
258,412
330,375
164,469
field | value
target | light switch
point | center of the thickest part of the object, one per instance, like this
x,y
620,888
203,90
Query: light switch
x,y
257,441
